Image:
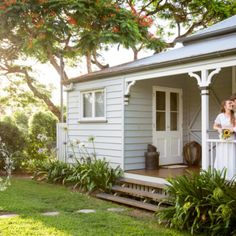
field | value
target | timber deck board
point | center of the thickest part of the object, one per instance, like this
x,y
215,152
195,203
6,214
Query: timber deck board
x,y
139,193
129,202
142,183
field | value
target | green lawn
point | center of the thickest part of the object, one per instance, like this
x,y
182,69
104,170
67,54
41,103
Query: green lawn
x,y
29,199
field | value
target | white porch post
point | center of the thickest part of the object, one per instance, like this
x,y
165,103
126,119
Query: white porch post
x,y
205,124
204,81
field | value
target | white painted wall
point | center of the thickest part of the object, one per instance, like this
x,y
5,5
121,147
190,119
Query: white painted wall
x,y
108,135
138,114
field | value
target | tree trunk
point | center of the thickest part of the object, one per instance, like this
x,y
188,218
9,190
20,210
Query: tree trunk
x,y
88,61
135,51
42,96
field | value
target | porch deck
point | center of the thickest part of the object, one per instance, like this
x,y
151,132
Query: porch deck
x,y
164,172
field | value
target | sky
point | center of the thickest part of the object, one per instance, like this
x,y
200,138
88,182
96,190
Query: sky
x,y
47,74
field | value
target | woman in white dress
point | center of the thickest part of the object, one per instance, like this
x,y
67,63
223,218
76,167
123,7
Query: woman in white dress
x,y
225,124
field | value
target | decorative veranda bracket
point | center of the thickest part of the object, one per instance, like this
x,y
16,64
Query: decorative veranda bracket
x,y
69,87
205,79
127,91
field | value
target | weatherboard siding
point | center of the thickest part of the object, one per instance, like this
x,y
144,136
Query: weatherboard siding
x,y
138,114
108,135
138,120
137,128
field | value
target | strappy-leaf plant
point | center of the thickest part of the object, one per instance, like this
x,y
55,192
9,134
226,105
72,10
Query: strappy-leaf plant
x,y
87,172
204,202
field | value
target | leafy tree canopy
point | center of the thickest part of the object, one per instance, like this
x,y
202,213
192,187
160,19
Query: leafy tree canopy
x,y
56,31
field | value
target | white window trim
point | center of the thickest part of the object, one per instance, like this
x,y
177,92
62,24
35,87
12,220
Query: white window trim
x,y
93,118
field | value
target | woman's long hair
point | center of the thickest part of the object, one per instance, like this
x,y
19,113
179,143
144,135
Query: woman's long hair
x,y
222,109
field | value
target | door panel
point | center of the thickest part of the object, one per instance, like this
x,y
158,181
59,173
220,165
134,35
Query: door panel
x,y
167,124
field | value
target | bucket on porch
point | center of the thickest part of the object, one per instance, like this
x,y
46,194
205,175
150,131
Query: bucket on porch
x,y
151,158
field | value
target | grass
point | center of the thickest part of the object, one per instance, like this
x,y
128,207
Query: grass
x,y
29,199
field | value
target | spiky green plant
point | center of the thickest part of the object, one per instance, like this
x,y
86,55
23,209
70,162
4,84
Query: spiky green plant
x,y
204,202
93,174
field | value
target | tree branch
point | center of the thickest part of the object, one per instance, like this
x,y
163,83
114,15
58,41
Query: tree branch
x,y
97,63
35,91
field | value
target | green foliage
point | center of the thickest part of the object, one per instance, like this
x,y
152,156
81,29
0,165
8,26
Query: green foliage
x,y
14,140
87,175
21,120
204,202
43,123
42,135
77,26
52,171
93,174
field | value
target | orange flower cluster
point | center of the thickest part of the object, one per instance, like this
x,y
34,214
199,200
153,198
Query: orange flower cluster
x,y
116,29
72,20
7,3
143,19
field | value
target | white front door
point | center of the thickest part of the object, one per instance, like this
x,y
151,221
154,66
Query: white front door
x,y
167,124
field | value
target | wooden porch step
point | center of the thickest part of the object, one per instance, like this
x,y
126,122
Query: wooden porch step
x,y
142,183
127,201
139,193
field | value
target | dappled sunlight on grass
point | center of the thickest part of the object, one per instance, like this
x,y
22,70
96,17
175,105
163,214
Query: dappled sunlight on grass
x,y
21,225
30,199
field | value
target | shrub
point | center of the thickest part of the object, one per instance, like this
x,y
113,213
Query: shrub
x,y
52,171
7,165
43,123
42,135
14,140
87,173
204,202
12,137
93,174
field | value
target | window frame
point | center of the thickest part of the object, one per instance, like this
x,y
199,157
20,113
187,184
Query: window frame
x,y
92,118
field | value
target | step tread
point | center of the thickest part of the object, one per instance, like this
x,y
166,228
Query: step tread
x,y
127,201
140,193
141,182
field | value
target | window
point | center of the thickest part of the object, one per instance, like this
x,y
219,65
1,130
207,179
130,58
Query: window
x,y
93,105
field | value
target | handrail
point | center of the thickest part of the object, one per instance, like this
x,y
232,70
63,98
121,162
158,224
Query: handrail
x,y
220,141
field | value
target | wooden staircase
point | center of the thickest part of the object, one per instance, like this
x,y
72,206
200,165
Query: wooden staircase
x,y
136,193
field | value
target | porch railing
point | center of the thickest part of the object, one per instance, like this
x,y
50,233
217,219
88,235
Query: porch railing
x,y
213,145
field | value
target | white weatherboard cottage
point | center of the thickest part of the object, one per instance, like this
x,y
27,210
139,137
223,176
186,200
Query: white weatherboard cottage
x,y
167,100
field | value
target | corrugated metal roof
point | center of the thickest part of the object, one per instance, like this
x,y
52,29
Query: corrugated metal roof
x,y
228,23
212,47
224,27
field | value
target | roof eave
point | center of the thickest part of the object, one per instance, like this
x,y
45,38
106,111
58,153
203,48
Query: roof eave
x,y
104,74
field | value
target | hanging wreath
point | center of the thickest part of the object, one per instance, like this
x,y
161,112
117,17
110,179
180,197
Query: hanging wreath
x,y
192,153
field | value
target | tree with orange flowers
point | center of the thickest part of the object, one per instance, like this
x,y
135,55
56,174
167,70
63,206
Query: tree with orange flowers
x,y
60,31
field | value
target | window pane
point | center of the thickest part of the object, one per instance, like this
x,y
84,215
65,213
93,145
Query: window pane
x,y
174,121
174,101
87,104
99,104
160,101
160,121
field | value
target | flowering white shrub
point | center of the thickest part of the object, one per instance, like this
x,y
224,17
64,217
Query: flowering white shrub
x,y
82,149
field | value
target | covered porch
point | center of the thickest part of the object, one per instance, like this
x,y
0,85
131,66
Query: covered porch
x,y
202,87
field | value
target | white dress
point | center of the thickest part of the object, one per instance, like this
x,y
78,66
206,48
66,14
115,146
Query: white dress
x,y
225,152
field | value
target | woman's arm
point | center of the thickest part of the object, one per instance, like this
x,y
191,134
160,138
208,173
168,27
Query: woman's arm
x,y
217,127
